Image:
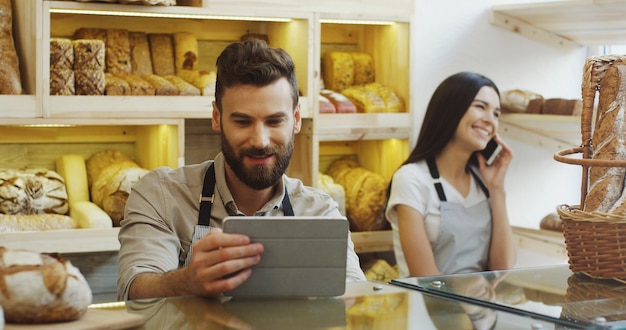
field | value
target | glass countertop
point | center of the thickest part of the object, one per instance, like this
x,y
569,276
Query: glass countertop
x,y
553,294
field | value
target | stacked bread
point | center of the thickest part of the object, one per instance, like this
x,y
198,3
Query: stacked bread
x,y
365,193
111,175
526,101
10,81
606,191
117,61
352,74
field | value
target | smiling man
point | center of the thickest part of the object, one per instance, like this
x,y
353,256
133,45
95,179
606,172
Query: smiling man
x,y
172,243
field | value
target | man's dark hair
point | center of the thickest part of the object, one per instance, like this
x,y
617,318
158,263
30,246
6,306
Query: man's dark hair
x,y
253,62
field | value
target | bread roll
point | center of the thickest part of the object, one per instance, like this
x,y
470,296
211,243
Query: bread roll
x,y
551,221
140,61
393,102
138,86
115,85
184,87
41,288
35,222
10,80
161,85
112,188
32,191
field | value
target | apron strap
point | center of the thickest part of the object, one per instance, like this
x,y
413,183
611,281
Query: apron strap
x,y
208,196
434,173
480,182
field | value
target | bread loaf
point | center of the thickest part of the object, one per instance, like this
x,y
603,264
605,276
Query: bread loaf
x,y
117,50
517,100
41,288
162,54
338,70
91,33
365,100
161,85
112,189
138,86
184,87
10,80
342,104
115,85
140,61
89,82
32,191
185,51
326,106
101,159
62,81
35,222
363,68
551,221
606,184
89,54
393,102
365,194
61,53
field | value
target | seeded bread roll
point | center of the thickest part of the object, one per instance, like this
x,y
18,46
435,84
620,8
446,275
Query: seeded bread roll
x,y
338,70
41,288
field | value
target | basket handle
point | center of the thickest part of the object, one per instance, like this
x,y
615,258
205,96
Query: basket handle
x,y
561,156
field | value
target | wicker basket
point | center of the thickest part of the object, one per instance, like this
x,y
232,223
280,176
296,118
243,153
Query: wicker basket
x,y
586,299
595,241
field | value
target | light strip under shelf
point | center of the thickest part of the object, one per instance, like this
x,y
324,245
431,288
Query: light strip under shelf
x,y
167,15
352,21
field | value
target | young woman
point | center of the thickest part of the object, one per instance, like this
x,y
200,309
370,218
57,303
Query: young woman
x,y
446,207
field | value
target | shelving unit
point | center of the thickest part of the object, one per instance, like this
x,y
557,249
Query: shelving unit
x,y
565,24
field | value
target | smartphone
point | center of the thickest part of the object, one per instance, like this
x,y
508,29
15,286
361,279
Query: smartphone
x,y
491,151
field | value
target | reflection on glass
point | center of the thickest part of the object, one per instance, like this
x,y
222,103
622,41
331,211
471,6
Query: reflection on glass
x,y
548,293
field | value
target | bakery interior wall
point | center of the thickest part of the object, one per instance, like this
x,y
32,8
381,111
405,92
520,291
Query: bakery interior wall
x,y
455,35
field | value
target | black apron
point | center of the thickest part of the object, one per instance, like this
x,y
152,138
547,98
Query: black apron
x,y
206,202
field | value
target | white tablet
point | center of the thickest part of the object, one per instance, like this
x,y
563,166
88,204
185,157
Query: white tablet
x,y
304,256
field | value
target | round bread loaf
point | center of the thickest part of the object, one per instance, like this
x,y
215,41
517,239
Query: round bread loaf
x,y
41,288
101,159
552,221
365,194
32,191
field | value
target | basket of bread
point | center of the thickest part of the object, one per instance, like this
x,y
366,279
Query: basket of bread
x,y
595,230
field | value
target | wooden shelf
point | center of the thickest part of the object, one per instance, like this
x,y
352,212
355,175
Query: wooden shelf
x,y
565,24
63,241
363,126
372,241
552,132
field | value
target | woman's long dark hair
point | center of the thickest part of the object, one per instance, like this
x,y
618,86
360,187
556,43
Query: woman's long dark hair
x,y
447,106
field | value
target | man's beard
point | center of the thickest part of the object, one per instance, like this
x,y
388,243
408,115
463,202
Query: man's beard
x,y
258,177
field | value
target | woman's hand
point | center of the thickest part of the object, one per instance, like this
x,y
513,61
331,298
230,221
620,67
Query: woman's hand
x,y
494,175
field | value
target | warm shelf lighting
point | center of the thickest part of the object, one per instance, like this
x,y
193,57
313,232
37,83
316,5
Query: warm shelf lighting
x,y
166,15
352,21
47,125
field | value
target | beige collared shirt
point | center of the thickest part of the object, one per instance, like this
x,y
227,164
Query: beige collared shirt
x,y
162,212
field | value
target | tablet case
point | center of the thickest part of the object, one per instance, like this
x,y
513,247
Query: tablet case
x,y
303,256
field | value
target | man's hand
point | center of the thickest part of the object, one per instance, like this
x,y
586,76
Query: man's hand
x,y
221,262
